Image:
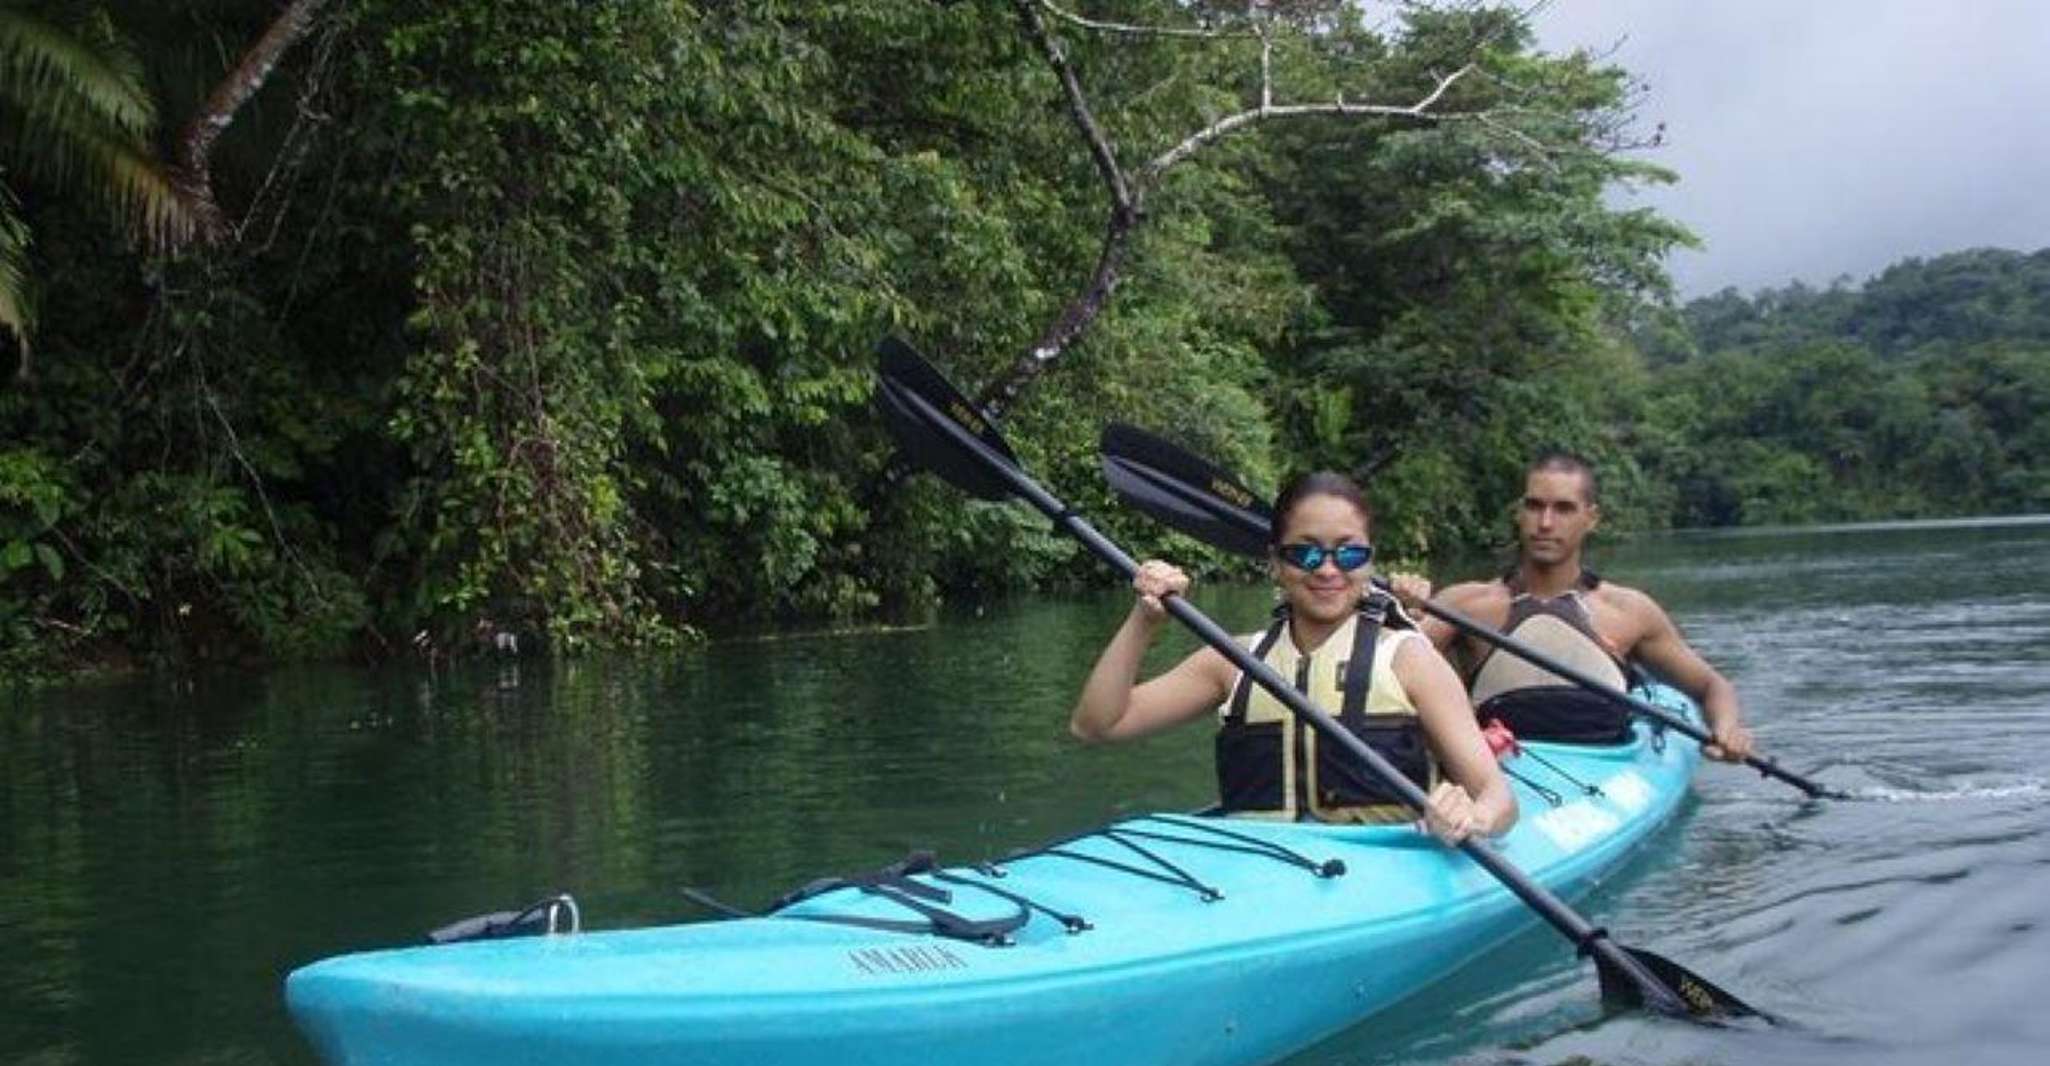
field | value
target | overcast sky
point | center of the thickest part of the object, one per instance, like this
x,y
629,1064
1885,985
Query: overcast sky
x,y
1816,138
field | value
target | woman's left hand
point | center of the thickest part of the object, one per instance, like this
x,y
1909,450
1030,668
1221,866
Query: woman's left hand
x,y
1451,815
1732,742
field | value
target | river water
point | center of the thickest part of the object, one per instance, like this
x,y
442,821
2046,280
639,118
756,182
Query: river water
x,y
169,850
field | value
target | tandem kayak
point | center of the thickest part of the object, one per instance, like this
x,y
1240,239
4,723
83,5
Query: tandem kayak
x,y
1167,938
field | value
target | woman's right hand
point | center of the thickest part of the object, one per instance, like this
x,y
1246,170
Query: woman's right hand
x,y
1154,580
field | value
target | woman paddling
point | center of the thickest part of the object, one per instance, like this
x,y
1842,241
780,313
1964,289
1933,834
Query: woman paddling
x,y
1409,705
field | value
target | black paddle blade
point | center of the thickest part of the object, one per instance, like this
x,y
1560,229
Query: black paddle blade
x,y
906,375
1183,492
1678,991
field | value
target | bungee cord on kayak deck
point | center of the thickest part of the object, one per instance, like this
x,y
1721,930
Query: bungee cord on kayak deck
x,y
1506,746
1551,796
1245,843
1587,788
894,884
1073,923
1120,833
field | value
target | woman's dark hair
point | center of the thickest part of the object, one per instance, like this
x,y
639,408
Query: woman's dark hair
x,y
1317,483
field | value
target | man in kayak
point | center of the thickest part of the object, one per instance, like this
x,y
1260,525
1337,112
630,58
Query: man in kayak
x,y
1552,602
1345,652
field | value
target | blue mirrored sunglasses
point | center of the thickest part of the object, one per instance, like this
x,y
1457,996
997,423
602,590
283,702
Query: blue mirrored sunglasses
x,y
1347,557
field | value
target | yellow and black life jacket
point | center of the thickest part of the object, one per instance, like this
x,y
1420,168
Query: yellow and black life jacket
x,y
1270,765
1535,703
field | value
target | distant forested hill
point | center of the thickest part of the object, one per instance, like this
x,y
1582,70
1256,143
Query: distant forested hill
x,y
1917,393
1986,294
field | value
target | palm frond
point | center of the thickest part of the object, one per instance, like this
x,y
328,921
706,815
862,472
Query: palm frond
x,y
96,71
73,111
17,307
140,192
108,165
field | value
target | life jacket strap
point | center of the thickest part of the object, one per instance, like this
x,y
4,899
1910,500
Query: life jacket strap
x,y
1512,579
1359,670
1244,692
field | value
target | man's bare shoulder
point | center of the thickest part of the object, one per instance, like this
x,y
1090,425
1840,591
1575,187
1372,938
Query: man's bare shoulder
x,y
1630,601
1475,596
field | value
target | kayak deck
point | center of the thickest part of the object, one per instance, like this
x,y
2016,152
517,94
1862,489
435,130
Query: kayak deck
x,y
1206,941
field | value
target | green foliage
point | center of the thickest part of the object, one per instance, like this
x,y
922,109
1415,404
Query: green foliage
x,y
1908,396
1466,281
1961,299
33,500
17,304
74,112
513,406
558,319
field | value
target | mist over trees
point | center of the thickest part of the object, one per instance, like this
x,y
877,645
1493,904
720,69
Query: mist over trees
x,y
557,319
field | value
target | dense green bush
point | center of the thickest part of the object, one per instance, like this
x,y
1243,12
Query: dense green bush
x,y
556,320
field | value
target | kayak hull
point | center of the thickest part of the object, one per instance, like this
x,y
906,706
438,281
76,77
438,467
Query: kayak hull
x,y
1218,952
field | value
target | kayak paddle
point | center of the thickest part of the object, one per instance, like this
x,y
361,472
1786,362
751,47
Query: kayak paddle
x,y
938,427
1188,493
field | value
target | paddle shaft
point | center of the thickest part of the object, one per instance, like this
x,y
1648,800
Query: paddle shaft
x,y
1585,936
1649,710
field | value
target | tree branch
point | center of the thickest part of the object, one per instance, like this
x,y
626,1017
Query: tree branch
x,y
1341,106
193,174
1541,151
1075,317
1079,312
1128,191
1132,30
1078,104
1266,69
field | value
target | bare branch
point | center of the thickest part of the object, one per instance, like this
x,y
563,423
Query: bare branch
x,y
1607,130
1543,152
193,174
1078,104
1134,30
1531,11
1266,69
1075,317
1341,106
1079,312
1438,90
1128,191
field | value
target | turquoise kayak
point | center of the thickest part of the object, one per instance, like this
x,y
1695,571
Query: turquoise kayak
x,y
1167,938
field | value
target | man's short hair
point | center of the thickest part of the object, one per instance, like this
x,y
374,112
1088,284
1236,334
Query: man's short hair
x,y
1565,462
